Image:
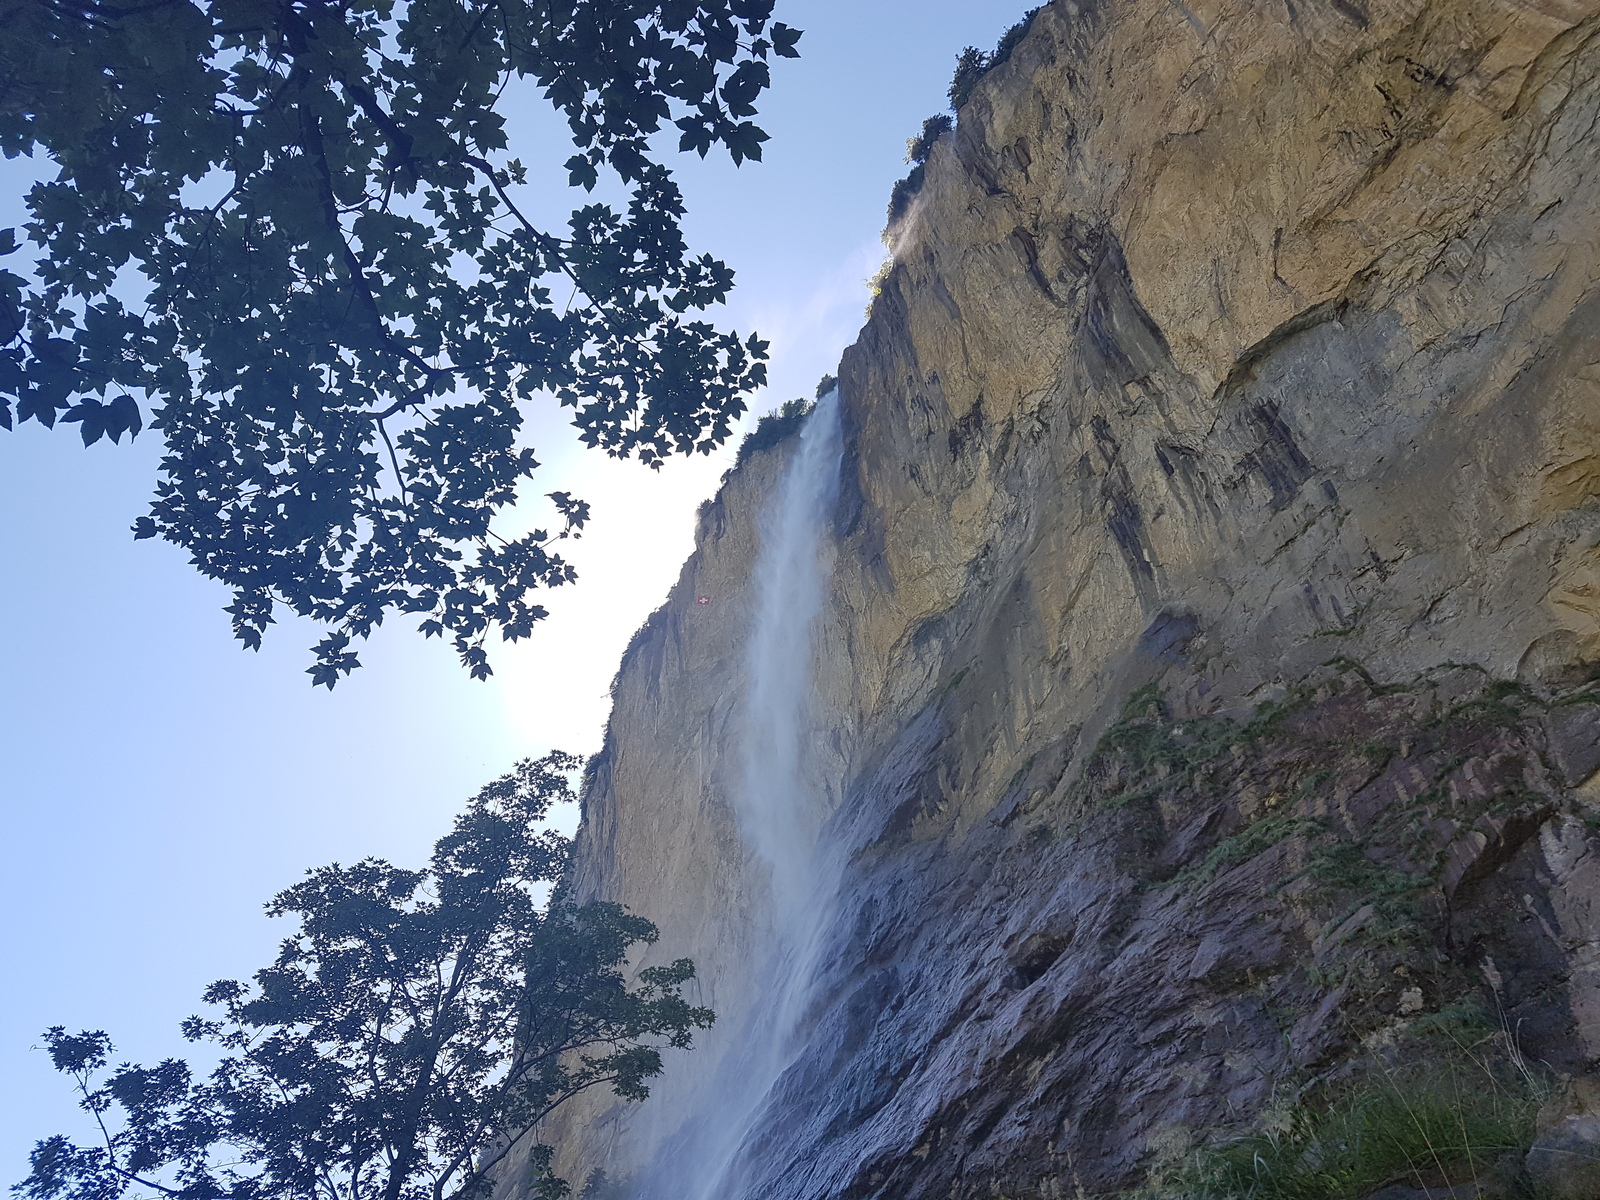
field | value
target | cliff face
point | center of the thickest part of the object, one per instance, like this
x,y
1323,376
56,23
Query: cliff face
x,y
1214,595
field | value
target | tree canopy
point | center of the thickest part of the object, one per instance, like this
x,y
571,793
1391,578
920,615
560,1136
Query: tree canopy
x,y
411,1034
292,236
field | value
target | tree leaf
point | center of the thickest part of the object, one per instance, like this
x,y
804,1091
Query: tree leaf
x,y
330,295
437,1014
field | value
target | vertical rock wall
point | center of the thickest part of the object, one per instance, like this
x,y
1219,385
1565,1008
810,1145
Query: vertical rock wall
x,y
1241,358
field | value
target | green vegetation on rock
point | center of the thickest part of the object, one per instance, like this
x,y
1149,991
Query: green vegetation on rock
x,y
972,64
1456,1115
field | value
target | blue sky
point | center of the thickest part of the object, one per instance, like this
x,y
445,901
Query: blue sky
x,y
159,784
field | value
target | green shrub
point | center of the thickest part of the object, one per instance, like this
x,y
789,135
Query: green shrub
x,y
1242,846
917,151
904,190
973,64
880,278
934,128
774,428
1012,36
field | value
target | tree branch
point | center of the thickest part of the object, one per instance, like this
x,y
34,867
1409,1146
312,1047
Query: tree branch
x,y
394,461
316,150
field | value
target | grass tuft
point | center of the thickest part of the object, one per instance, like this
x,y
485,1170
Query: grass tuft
x,y
1242,846
1428,1126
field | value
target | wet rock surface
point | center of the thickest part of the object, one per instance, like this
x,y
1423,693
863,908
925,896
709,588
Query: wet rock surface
x,y
1309,915
1203,695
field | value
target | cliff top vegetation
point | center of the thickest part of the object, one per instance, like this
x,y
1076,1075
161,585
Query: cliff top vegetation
x,y
781,422
972,64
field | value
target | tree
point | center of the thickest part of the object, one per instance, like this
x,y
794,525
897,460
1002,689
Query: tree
x,y
410,1035
973,64
292,230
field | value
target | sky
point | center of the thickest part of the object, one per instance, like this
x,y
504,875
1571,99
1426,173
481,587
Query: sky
x,y
158,784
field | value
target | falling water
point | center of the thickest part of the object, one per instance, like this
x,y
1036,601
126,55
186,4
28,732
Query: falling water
x,y
781,806
780,811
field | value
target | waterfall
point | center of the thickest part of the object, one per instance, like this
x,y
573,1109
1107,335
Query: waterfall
x,y
781,808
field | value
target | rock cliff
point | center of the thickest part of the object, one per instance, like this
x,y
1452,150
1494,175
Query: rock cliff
x,y
1204,684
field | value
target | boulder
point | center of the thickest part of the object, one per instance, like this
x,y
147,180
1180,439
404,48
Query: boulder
x,y
1574,740
1564,1162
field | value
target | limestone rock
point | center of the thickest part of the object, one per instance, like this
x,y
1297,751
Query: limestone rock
x,y
1565,1159
1240,360
1574,732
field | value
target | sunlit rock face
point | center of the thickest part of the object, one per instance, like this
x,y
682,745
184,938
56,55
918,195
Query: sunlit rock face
x,y
1241,359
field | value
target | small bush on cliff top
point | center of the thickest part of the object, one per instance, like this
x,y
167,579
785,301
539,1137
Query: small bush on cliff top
x,y
973,64
1011,37
902,192
917,151
934,128
774,428
782,421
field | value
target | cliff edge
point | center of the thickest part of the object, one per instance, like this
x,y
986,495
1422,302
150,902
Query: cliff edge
x,y
1204,687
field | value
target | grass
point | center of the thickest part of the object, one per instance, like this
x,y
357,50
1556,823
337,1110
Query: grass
x,y
1345,866
1145,737
1455,1102
1246,844
1427,1125
1463,1114
1504,703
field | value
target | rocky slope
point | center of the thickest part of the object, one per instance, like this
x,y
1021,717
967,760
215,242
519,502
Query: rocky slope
x,y
1203,690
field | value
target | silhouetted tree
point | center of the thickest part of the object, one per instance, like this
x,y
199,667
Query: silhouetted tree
x,y
412,1032
293,235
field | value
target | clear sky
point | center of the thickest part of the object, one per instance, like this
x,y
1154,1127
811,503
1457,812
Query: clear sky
x,y
158,784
